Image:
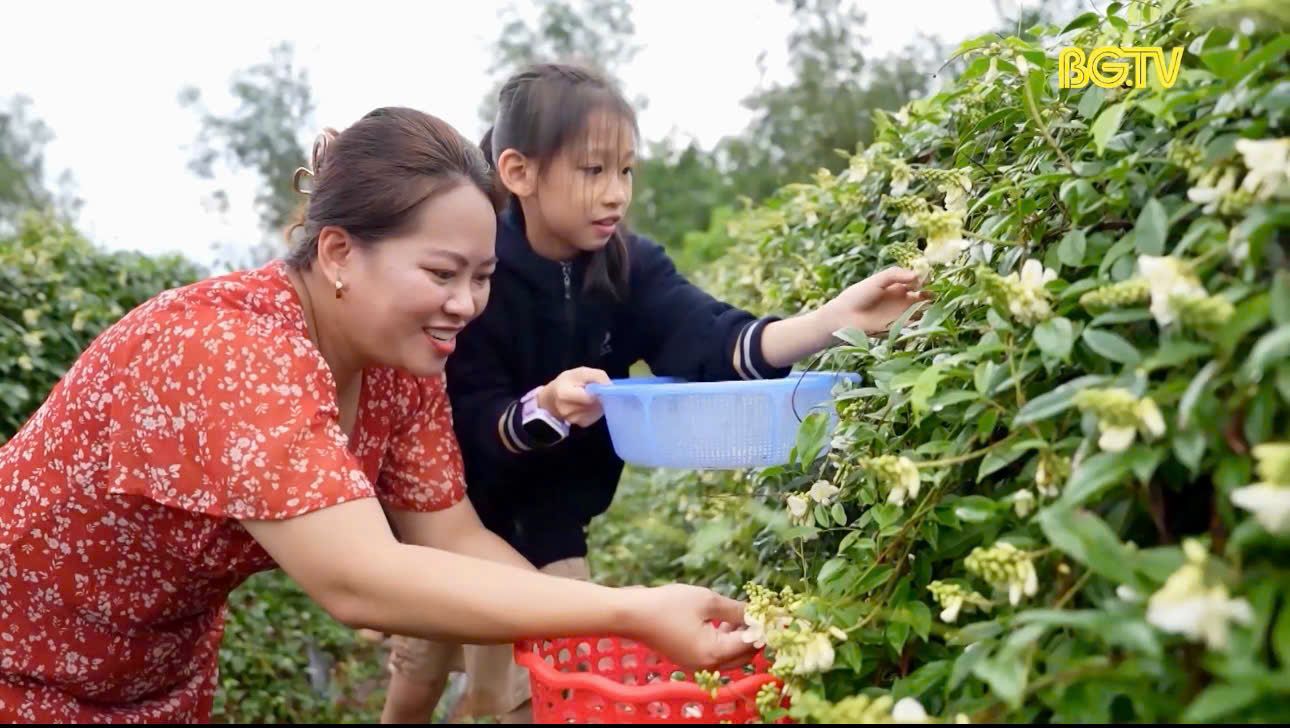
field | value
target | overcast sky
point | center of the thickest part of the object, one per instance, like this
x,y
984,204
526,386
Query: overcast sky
x,y
105,77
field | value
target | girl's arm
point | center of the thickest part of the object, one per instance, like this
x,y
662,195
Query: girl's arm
x,y
870,306
346,558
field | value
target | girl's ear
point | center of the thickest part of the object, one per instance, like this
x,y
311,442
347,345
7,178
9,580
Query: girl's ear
x,y
518,173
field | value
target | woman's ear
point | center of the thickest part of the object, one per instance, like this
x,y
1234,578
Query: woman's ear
x,y
517,173
335,249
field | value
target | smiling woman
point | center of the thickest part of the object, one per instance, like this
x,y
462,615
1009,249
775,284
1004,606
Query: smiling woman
x,y
293,415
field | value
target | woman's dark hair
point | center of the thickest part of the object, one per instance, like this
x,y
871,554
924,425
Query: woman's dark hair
x,y
371,178
541,110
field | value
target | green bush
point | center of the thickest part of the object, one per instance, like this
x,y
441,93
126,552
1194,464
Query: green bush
x,y
58,292
1036,507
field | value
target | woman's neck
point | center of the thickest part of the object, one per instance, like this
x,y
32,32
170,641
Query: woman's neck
x,y
320,314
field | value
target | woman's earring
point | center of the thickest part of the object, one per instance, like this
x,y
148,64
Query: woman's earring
x,y
339,286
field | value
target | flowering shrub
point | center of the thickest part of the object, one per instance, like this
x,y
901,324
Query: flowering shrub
x,y
1062,492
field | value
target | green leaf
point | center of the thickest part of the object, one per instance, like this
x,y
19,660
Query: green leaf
x,y
997,460
1055,337
1058,400
1107,124
832,570
1222,61
1280,304
920,681
839,514
1281,632
1085,20
1116,629
1175,352
1221,699
1250,315
1272,347
1189,446
872,580
920,618
1153,225
1112,346
1087,539
975,508
1193,392
1095,475
897,634
811,436
1072,248
1091,101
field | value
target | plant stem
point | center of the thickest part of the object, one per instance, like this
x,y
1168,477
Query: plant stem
x,y
1043,128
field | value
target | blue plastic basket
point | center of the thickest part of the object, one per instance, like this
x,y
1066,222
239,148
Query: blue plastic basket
x,y
664,422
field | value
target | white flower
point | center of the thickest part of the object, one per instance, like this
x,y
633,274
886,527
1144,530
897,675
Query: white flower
x,y
1029,302
817,656
1029,585
1269,503
901,176
1170,282
1211,190
945,250
1128,594
1116,439
1023,502
797,505
1268,162
1149,417
1184,605
824,492
909,710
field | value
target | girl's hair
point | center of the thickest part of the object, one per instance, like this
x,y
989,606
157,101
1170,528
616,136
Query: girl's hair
x,y
371,178
543,109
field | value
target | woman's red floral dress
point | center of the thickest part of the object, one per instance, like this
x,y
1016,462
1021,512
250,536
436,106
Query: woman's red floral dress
x,y
120,498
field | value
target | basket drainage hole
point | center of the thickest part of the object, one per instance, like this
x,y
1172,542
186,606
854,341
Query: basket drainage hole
x,y
564,655
692,711
658,709
629,661
605,645
606,664
584,649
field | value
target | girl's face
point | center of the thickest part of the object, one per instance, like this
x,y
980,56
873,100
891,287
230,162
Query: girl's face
x,y
407,297
586,189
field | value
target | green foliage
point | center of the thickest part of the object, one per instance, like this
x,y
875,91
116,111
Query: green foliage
x,y
284,660
1038,487
57,292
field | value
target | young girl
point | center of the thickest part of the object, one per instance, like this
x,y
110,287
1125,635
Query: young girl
x,y
278,417
578,299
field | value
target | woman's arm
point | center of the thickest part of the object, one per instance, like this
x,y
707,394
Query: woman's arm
x,y
346,558
456,528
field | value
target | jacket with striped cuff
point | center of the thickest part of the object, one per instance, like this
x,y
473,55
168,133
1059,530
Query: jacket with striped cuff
x,y
538,323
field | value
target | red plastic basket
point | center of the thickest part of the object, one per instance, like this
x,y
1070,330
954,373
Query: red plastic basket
x,y
613,680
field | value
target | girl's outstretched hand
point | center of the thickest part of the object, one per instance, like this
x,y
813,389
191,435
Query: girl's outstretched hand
x,y
872,304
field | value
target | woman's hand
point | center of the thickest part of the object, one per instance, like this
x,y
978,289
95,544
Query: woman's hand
x,y
872,304
566,396
676,620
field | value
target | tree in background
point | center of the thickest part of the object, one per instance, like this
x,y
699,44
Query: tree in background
x,y
23,186
264,134
599,34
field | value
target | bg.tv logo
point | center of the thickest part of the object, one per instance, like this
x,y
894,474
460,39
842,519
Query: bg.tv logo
x,y
1104,67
